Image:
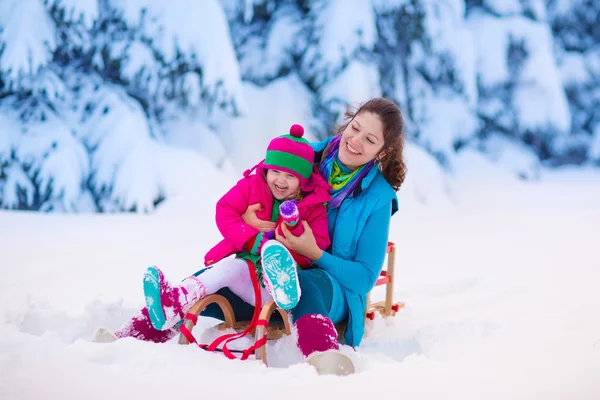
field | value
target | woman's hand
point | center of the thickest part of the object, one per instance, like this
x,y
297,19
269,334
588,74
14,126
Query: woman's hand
x,y
305,244
249,217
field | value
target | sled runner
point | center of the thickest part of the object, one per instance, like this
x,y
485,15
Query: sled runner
x,y
263,329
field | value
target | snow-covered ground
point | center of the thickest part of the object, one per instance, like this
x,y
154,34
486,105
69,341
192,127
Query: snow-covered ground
x,y
500,280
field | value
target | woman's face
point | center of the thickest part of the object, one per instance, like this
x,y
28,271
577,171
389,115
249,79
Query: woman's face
x,y
362,140
283,186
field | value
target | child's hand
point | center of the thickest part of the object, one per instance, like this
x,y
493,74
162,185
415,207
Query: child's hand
x,y
305,244
249,217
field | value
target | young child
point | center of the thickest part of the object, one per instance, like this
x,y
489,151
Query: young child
x,y
288,188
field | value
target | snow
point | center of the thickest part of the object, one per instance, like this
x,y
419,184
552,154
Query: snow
x,y
133,166
50,155
137,59
426,182
86,10
61,161
539,98
275,108
505,7
562,7
47,83
29,37
500,290
573,68
538,9
267,55
443,112
546,93
513,156
17,188
595,146
185,26
10,126
446,24
383,6
489,33
516,7
178,71
357,82
337,40
443,117
191,132
499,274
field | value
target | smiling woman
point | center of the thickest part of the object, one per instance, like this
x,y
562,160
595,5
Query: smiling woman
x,y
362,141
373,133
364,165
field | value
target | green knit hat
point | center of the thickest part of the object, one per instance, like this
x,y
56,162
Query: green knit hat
x,y
291,153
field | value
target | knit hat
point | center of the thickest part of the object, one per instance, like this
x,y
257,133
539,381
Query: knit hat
x,y
292,154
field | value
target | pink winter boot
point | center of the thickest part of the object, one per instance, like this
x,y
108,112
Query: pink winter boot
x,y
138,327
317,340
166,303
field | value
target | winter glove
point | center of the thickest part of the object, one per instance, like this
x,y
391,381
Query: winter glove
x,y
291,217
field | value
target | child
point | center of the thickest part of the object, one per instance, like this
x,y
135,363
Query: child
x,y
288,188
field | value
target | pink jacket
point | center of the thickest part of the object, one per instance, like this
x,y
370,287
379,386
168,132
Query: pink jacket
x,y
251,189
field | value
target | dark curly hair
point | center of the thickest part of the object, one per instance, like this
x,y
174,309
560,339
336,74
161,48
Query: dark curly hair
x,y
392,166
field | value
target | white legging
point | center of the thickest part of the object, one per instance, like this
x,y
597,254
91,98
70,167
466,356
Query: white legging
x,y
232,273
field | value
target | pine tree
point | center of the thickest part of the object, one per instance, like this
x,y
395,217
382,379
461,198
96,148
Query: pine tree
x,y
427,65
90,89
329,45
267,36
43,167
576,29
339,65
97,97
520,90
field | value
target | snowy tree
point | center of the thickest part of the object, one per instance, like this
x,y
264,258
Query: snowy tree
x,y
268,37
461,81
577,36
43,165
89,91
100,100
520,89
428,66
339,63
329,45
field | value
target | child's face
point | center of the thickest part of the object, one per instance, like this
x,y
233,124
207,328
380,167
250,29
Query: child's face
x,y
283,185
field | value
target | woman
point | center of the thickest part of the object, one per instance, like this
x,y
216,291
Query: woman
x,y
365,167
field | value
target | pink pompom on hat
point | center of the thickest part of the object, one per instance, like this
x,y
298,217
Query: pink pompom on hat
x,y
292,154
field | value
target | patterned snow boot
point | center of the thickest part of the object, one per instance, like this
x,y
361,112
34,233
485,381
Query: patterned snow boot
x,y
167,304
138,327
317,340
280,274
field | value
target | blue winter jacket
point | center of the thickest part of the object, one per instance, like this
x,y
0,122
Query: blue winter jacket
x,y
355,259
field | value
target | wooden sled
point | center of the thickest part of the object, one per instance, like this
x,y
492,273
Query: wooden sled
x,y
276,329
